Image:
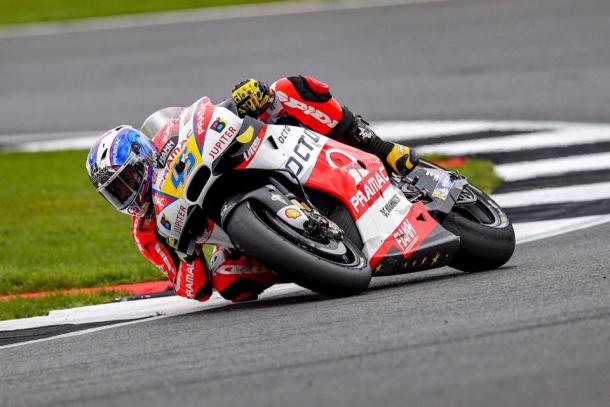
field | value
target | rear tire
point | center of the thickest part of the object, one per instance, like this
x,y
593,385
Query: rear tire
x,y
487,238
256,233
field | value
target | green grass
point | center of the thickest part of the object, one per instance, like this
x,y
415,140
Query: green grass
x,y
21,307
27,11
478,171
56,232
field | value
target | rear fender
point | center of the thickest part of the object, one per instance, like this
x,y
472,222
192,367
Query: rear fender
x,y
443,188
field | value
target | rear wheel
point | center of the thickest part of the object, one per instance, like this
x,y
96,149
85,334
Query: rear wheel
x,y
335,268
487,238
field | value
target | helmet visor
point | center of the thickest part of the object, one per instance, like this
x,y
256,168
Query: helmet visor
x,y
122,188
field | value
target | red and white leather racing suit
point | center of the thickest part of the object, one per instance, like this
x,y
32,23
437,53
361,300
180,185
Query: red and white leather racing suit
x,y
299,101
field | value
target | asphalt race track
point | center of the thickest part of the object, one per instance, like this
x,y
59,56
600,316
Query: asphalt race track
x,y
536,332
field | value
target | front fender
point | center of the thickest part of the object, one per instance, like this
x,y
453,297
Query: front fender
x,y
271,198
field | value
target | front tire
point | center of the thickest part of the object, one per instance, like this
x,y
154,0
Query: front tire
x,y
256,232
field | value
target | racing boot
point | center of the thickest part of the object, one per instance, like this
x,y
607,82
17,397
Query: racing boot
x,y
239,278
397,158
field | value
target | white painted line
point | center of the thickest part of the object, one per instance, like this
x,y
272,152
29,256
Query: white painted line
x,y
197,15
413,130
76,143
574,193
573,135
532,231
8,139
125,310
148,309
552,166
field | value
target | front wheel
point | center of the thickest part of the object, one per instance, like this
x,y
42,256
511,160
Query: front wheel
x,y
332,268
487,238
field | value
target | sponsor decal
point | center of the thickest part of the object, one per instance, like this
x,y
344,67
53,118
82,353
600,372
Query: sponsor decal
x,y
443,186
368,189
405,236
225,208
199,120
435,259
190,279
302,152
170,130
246,136
341,159
292,213
278,198
168,169
166,223
284,134
425,261
308,110
115,152
166,151
379,268
187,115
433,174
160,201
389,207
179,221
222,142
252,149
218,125
184,165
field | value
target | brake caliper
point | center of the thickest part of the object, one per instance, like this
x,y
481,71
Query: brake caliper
x,y
320,228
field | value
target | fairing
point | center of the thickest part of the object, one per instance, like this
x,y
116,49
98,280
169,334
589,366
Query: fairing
x,y
398,236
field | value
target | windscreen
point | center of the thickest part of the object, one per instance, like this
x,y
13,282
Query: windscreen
x,y
158,119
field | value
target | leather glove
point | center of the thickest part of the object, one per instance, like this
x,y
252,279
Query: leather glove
x,y
251,97
402,159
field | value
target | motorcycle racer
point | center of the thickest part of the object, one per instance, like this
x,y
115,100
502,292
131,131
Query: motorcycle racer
x,y
121,165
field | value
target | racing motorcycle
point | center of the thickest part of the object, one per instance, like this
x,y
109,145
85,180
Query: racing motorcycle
x,y
320,213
